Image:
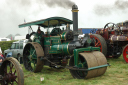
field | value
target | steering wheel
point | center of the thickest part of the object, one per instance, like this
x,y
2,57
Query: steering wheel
x,y
112,26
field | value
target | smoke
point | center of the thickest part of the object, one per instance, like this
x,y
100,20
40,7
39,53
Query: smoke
x,y
13,12
119,5
102,10
50,3
61,3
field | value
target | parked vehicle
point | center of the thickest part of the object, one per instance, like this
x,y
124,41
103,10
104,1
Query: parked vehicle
x,y
17,49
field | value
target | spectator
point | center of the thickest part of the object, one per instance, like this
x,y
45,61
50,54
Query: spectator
x,y
1,57
0,50
1,54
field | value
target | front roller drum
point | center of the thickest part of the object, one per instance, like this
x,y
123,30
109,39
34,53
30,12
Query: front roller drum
x,y
88,60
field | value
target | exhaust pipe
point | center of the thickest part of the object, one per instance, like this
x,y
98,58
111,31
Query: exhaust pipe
x,y
75,22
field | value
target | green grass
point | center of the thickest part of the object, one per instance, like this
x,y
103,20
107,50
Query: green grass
x,y
116,74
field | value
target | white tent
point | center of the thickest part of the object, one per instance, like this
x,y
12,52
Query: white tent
x,y
4,39
19,37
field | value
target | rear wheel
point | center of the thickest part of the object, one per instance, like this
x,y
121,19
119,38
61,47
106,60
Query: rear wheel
x,y
12,73
85,61
125,53
100,42
31,57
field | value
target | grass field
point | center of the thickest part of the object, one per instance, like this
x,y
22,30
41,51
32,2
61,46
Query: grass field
x,y
116,74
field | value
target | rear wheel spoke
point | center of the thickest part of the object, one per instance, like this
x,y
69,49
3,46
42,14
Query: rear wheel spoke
x,y
16,81
14,71
11,68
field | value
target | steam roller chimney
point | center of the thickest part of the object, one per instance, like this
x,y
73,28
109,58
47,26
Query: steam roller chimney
x,y
75,21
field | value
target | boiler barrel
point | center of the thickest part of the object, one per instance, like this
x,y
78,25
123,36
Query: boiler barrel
x,y
63,49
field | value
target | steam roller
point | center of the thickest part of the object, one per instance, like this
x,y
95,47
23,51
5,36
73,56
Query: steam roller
x,y
56,48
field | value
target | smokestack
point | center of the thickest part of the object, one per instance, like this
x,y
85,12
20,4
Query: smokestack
x,y
75,21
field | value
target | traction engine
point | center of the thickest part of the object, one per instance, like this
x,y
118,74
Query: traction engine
x,y
113,39
54,48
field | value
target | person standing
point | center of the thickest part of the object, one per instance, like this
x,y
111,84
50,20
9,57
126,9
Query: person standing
x,y
1,57
1,54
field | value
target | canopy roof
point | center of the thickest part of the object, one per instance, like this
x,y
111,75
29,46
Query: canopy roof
x,y
49,22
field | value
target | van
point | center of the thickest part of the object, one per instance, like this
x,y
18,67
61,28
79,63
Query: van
x,y
16,49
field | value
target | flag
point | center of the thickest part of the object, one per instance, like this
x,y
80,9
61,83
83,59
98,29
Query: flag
x,y
11,37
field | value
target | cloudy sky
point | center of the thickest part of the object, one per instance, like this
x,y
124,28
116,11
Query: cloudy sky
x,y
92,13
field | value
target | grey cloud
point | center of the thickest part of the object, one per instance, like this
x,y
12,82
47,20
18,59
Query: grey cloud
x,y
13,12
119,5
